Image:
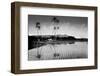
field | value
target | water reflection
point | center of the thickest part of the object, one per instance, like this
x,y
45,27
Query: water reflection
x,y
40,44
59,50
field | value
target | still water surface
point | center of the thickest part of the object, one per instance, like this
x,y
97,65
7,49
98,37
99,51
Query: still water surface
x,y
59,51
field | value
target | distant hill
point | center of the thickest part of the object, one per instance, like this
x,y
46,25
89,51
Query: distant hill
x,y
54,37
43,39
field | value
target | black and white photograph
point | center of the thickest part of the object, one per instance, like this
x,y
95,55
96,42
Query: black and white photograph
x,y
57,37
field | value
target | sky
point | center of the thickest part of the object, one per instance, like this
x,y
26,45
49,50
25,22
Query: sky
x,y
72,26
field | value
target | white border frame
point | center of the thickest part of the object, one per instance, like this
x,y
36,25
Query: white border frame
x,y
25,64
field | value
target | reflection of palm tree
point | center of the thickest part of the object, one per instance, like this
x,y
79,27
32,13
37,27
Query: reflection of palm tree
x,y
56,55
38,29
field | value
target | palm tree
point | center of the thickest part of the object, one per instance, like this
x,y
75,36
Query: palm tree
x,y
55,20
38,29
38,25
56,27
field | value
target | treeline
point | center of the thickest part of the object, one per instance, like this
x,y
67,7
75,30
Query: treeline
x,y
45,38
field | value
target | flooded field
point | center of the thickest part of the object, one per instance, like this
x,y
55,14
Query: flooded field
x,y
72,50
